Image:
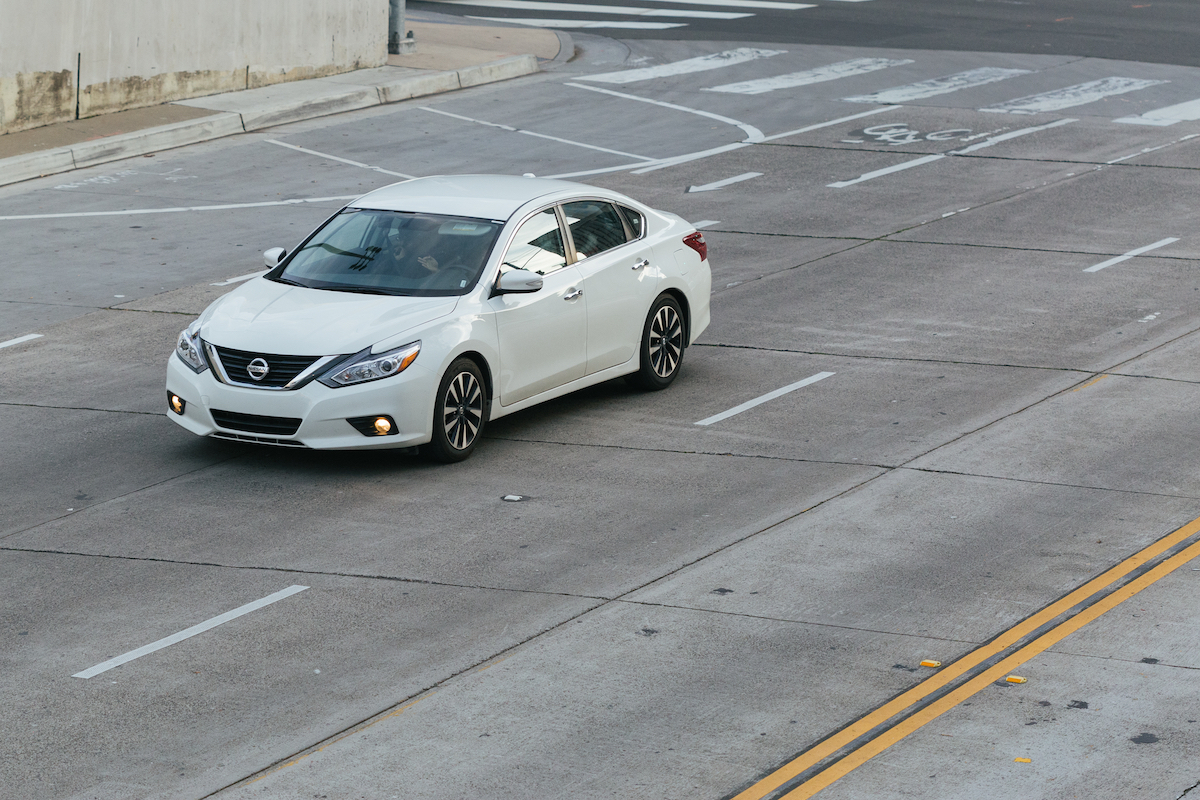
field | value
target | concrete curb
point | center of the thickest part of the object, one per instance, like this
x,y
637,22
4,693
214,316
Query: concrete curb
x,y
293,102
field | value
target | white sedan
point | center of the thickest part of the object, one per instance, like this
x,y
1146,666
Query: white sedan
x,y
424,309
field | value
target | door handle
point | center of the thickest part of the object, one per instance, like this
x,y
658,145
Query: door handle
x,y
641,263
574,293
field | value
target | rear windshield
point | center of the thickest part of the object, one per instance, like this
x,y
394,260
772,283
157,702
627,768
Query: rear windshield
x,y
393,252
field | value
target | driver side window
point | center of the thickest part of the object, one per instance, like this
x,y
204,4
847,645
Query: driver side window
x,y
537,245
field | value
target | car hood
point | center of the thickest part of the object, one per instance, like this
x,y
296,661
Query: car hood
x,y
268,317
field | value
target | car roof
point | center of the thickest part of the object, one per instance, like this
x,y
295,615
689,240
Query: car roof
x,y
480,196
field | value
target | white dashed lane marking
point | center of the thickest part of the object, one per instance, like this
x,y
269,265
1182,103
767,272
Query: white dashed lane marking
x,y
174,638
1132,253
758,401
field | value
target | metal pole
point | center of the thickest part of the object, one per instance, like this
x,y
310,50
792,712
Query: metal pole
x,y
398,42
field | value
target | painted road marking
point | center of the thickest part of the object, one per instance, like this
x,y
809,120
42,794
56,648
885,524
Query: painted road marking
x,y
1132,253
1094,602
532,133
662,163
938,156
829,72
226,207
1078,95
709,187
701,225
753,134
631,11
715,61
189,633
339,158
1162,117
767,4
29,337
583,23
758,401
241,278
1145,150
936,86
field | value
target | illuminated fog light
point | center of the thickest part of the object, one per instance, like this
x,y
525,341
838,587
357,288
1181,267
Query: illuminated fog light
x,y
383,426
177,403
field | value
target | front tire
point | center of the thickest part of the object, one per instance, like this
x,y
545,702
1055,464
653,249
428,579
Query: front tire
x,y
459,413
663,342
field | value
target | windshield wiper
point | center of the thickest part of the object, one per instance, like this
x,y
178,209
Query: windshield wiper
x,y
346,287
290,282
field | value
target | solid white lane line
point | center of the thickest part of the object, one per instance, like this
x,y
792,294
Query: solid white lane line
x,y
829,72
1004,137
830,123
936,86
339,158
189,633
584,23
532,133
767,4
758,401
686,157
26,338
709,187
1078,95
1162,117
1145,150
753,134
879,173
630,11
241,278
689,65
937,157
705,223
180,209
1132,253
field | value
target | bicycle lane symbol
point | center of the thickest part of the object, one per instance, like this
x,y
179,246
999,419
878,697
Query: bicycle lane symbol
x,y
897,133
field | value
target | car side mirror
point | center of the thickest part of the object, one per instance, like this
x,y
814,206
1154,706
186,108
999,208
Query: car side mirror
x,y
273,256
517,281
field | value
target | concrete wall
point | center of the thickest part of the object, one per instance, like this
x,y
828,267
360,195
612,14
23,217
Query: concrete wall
x,y
129,53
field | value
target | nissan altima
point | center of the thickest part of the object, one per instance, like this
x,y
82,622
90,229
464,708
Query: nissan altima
x,y
423,310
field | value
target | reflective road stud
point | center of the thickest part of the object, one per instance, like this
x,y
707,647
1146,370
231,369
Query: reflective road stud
x,y
929,662
1015,679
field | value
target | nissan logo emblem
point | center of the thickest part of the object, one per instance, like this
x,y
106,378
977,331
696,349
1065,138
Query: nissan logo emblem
x,y
258,369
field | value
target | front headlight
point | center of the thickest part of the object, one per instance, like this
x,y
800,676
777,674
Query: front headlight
x,y
367,367
188,348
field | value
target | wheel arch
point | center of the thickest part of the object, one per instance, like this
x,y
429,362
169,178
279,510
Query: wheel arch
x,y
681,298
486,369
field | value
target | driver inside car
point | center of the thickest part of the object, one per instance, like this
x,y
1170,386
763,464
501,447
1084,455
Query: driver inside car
x,y
406,265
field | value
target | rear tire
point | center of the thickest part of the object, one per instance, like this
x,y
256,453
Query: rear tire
x,y
459,413
662,346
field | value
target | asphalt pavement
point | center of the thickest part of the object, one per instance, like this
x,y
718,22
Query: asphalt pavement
x,y
938,435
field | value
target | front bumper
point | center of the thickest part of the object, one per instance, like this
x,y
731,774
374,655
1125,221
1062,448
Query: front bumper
x,y
323,412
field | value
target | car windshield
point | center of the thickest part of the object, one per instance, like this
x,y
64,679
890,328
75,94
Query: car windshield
x,y
393,252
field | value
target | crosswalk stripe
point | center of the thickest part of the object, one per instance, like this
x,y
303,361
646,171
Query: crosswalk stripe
x,y
936,86
1161,117
584,23
1078,95
715,61
580,23
829,72
631,11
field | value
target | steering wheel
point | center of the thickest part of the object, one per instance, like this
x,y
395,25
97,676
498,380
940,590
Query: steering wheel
x,y
446,277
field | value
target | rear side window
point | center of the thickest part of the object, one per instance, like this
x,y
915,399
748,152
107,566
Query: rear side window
x,y
634,219
595,226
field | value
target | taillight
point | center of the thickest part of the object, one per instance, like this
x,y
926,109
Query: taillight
x,y
696,242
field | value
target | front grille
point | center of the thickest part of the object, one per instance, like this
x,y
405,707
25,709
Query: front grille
x,y
253,423
239,437
282,368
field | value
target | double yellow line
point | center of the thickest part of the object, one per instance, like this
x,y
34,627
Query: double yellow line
x,y
906,701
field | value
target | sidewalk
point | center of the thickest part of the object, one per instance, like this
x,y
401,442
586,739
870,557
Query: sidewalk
x,y
449,56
